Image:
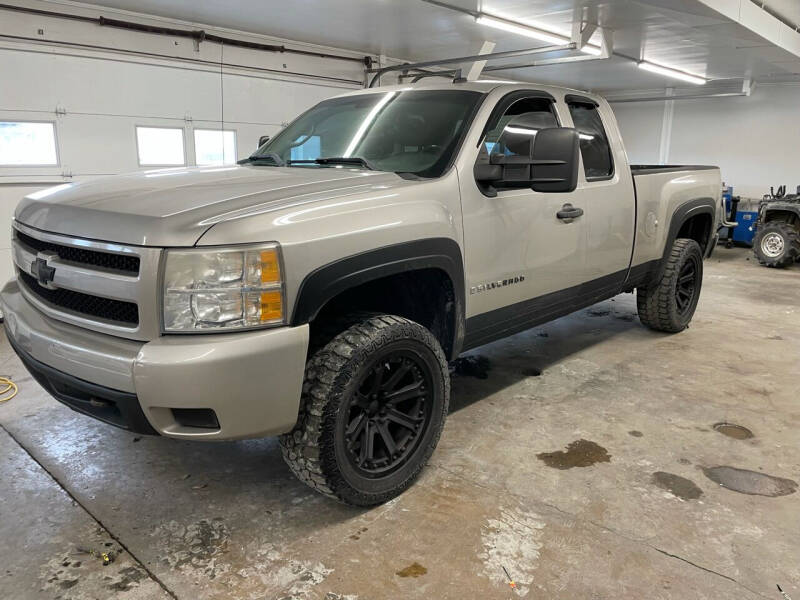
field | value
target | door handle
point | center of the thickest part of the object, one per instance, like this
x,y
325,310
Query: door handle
x,y
569,213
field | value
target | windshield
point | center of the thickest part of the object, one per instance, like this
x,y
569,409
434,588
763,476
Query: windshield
x,y
415,131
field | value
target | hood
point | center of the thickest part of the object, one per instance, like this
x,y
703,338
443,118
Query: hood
x,y
174,207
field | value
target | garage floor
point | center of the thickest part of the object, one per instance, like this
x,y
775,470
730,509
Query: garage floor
x,y
595,479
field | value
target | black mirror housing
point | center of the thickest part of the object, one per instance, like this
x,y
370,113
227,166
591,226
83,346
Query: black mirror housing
x,y
546,160
262,140
556,155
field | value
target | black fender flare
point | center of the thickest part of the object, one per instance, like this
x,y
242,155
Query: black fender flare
x,y
682,214
323,284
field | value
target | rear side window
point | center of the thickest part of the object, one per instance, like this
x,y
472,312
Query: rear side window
x,y
595,149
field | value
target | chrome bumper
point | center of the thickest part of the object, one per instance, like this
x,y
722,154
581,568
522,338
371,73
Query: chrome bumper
x,y
251,380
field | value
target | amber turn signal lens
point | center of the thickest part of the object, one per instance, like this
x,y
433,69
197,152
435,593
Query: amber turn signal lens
x,y
271,306
270,268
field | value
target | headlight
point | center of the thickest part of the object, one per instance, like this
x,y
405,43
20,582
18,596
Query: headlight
x,y
223,289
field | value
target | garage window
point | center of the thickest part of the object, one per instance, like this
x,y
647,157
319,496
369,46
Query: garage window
x,y
27,144
160,146
214,147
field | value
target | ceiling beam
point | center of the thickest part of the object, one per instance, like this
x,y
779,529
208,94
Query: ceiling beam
x,y
465,59
476,68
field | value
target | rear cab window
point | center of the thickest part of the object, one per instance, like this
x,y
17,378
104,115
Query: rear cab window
x,y
598,163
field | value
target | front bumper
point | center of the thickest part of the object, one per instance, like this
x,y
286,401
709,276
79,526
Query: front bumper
x,y
250,380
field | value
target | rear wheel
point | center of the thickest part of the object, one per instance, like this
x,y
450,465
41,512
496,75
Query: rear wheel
x,y
374,403
669,304
777,244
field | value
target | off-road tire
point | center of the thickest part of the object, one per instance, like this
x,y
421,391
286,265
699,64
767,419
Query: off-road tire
x,y
791,244
657,301
316,449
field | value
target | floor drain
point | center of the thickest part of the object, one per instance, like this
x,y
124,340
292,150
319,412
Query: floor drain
x,y
737,432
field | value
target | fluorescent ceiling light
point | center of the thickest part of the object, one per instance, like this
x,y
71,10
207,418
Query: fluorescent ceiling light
x,y
667,71
526,30
592,49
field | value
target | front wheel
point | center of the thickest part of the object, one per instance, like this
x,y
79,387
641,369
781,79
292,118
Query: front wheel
x,y
669,304
374,403
777,244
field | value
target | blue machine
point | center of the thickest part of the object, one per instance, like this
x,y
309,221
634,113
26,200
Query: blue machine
x,y
744,232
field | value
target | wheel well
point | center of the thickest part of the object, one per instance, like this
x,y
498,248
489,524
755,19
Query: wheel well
x,y
786,216
697,228
426,296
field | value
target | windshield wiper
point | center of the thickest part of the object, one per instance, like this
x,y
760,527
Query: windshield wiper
x,y
256,159
337,160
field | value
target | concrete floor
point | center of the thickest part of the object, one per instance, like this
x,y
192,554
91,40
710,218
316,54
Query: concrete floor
x,y
598,520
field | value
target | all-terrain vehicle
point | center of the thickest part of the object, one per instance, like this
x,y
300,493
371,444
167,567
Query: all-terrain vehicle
x,y
777,240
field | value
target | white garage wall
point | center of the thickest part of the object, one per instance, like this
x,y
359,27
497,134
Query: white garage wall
x,y
96,97
640,125
755,140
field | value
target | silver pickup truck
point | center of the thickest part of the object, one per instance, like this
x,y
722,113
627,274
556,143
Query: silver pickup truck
x,y
318,289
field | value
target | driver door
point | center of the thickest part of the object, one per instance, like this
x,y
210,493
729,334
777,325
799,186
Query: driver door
x,y
521,259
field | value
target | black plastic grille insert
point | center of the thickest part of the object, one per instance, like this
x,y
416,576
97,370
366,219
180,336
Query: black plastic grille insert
x,y
119,262
104,308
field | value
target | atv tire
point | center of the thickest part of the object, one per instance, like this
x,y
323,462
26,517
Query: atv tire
x,y
777,244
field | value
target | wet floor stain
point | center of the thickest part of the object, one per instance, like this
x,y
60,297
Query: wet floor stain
x,y
129,578
580,453
734,431
599,312
412,570
200,545
678,486
472,366
357,535
532,372
749,482
635,433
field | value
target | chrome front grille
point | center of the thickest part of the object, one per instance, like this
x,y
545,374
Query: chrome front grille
x,y
106,287
118,262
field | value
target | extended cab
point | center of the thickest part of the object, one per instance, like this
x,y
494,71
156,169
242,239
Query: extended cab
x,y
318,290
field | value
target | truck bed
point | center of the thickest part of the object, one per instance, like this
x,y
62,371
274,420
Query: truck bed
x,y
660,191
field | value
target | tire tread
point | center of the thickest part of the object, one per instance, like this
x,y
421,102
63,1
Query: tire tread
x,y
654,302
792,240
304,449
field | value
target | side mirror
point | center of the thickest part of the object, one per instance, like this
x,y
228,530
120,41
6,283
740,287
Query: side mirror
x,y
555,160
263,140
546,160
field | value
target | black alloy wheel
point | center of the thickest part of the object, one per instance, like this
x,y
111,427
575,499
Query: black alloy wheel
x,y
667,302
388,414
686,285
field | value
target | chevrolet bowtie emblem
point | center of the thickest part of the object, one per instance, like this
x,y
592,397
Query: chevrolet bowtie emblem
x,y
42,271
